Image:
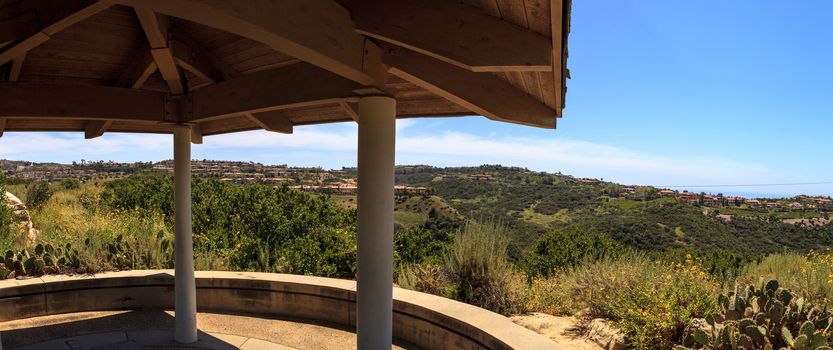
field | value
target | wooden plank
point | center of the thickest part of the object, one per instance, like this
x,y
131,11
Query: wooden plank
x,y
17,66
96,128
54,18
18,100
319,32
2,126
156,30
196,134
138,72
455,33
482,93
275,121
296,85
202,53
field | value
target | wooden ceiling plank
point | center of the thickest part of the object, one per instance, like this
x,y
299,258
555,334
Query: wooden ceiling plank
x,y
96,128
80,102
318,32
485,94
54,19
275,121
138,72
291,86
2,126
456,33
156,30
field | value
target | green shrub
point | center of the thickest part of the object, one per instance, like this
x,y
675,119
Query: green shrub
x,y
6,215
431,279
415,245
71,184
37,194
766,317
650,301
559,249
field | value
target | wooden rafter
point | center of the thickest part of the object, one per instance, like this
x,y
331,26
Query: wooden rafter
x,y
455,33
156,30
318,32
54,18
81,102
297,85
482,93
352,109
96,128
198,63
17,66
138,72
2,126
201,53
275,121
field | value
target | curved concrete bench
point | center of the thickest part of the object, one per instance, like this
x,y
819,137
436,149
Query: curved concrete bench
x,y
421,319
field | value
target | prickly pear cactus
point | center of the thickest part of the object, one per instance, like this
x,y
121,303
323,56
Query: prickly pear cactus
x,y
767,317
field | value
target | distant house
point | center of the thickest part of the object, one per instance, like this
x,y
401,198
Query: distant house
x,y
481,177
666,193
773,204
753,203
734,201
796,205
688,197
711,199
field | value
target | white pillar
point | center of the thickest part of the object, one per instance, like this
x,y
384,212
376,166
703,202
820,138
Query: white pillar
x,y
184,284
374,292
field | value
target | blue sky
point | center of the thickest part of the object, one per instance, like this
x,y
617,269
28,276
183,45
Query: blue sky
x,y
663,92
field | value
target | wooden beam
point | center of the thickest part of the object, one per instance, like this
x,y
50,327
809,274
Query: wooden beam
x,y
96,128
17,66
138,72
482,93
558,53
453,32
352,109
85,102
297,85
319,32
54,16
196,134
156,31
2,126
275,121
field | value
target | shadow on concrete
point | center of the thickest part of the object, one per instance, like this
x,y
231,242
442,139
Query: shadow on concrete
x,y
136,329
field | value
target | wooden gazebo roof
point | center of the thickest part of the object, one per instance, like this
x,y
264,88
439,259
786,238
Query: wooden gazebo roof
x,y
225,66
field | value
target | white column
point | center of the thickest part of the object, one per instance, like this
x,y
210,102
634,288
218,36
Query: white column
x,y
377,133
185,284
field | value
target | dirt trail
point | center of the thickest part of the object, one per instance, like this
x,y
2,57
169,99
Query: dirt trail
x,y
562,330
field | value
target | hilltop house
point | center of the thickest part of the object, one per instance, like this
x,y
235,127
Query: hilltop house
x,y
666,193
688,197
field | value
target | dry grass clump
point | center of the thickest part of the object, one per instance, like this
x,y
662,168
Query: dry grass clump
x,y
475,271
810,275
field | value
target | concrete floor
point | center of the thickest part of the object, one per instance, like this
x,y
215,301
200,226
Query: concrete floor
x,y
152,329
